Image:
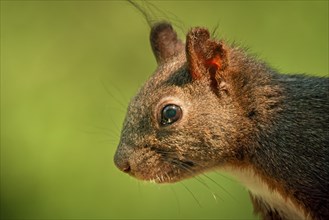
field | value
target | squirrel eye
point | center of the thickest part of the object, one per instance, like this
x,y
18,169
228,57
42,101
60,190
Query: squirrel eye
x,y
170,114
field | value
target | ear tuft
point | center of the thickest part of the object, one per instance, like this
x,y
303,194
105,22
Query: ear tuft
x,y
204,55
164,42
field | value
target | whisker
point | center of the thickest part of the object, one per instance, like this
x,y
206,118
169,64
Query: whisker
x,y
123,97
224,176
139,188
108,131
110,141
199,179
115,124
171,157
97,132
197,201
110,93
220,186
115,109
176,197
107,135
217,184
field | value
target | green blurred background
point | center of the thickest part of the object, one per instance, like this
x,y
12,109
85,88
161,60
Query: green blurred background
x,y
68,70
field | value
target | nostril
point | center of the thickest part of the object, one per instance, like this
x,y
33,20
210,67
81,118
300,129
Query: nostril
x,y
126,168
121,160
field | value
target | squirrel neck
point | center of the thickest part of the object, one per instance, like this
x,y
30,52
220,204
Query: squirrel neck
x,y
287,153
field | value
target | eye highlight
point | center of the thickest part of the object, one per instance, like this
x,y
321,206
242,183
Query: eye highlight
x,y
170,114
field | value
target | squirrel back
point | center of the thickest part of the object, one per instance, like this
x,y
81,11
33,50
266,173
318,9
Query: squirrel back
x,y
210,105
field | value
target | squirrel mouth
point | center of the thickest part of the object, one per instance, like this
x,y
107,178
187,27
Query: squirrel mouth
x,y
173,171
159,166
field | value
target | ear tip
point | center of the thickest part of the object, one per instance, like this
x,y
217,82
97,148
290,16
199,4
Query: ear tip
x,y
164,41
160,27
198,33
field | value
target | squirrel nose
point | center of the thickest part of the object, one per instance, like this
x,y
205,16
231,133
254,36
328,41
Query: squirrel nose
x,y
122,164
124,167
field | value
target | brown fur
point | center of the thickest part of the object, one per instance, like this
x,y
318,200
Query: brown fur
x,y
238,113
264,210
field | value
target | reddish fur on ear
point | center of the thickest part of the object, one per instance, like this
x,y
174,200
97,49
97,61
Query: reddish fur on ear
x,y
214,62
203,54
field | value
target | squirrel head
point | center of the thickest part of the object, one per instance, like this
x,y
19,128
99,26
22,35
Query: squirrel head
x,y
196,112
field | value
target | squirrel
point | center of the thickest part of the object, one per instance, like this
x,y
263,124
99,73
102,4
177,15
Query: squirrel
x,y
210,105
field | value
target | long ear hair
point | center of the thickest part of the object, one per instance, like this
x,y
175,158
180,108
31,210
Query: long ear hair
x,y
143,11
153,14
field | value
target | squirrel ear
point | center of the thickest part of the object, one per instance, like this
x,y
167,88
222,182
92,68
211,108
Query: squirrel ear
x,y
203,54
164,42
